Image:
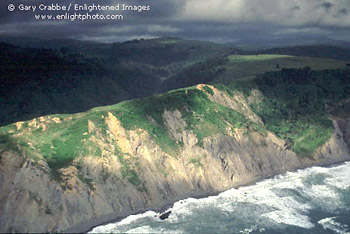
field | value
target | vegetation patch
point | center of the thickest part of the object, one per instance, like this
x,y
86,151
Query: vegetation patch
x,y
294,104
8,143
58,143
258,57
129,172
208,90
224,89
197,162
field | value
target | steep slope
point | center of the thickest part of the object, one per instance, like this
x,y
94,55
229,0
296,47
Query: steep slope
x,y
70,172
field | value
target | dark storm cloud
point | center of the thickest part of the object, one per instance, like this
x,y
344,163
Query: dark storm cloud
x,y
327,6
219,20
295,8
344,11
151,22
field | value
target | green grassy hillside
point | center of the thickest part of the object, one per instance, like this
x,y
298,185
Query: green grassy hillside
x,y
292,105
297,104
62,138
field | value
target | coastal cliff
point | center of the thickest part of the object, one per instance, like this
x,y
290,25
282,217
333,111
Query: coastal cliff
x,y
124,159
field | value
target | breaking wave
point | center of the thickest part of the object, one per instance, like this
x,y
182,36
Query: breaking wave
x,y
313,200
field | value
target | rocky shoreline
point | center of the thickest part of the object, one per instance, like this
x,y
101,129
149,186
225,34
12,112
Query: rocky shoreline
x,y
116,217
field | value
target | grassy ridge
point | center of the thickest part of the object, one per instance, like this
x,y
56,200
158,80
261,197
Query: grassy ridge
x,y
60,139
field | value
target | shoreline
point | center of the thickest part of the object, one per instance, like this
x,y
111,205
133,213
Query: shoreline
x,y
88,226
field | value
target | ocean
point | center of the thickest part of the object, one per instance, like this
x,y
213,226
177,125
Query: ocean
x,y
312,200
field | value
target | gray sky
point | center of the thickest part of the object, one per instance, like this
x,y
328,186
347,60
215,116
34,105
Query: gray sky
x,y
215,20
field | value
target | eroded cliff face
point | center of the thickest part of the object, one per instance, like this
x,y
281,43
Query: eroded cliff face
x,y
344,126
99,189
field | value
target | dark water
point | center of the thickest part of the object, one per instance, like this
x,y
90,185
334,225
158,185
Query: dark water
x,y
313,200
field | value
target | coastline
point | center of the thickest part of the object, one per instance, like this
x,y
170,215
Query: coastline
x,y
88,226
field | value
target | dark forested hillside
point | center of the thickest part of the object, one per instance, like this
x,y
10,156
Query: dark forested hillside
x,y
19,65
37,82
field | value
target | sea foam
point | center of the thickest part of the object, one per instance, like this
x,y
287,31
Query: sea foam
x,y
284,201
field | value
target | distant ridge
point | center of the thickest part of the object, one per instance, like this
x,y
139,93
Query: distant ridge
x,y
320,51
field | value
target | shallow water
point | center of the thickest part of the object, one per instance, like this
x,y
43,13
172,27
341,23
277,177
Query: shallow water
x,y
313,200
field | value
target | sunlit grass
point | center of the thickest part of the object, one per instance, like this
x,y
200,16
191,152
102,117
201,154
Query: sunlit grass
x,y
259,57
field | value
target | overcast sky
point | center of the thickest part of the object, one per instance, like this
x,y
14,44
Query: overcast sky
x,y
216,20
